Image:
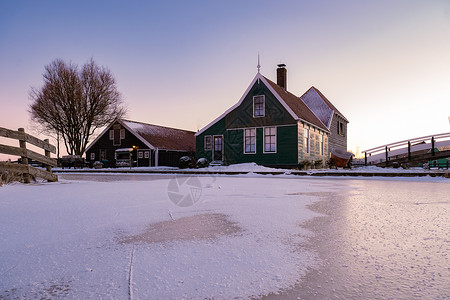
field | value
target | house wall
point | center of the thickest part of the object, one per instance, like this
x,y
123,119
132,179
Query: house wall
x,y
314,144
338,140
232,125
285,153
107,145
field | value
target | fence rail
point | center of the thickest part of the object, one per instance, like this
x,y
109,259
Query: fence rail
x,y
409,150
24,168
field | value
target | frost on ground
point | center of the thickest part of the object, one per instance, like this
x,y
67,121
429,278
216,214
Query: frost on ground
x,y
126,239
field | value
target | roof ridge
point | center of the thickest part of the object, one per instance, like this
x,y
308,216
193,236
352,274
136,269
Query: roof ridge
x,y
317,122
328,102
161,126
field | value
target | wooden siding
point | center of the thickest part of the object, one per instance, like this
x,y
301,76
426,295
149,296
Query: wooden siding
x,y
275,113
216,129
165,158
314,144
286,153
336,140
107,145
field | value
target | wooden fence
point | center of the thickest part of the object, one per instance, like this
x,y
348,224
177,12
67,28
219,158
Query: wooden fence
x,y
24,168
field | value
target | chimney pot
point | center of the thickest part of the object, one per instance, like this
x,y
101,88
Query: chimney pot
x,y
282,76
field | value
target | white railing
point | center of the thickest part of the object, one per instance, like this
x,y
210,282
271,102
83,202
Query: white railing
x,y
406,148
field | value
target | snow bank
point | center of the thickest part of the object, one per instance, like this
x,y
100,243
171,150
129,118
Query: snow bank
x,y
76,239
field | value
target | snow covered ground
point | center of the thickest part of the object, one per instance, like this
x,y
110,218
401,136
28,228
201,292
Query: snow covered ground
x,y
180,237
115,239
253,168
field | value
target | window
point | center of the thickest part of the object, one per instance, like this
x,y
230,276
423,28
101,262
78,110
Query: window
x,y
340,128
270,139
102,154
321,143
111,134
122,134
259,106
146,154
250,140
306,140
92,156
140,154
207,142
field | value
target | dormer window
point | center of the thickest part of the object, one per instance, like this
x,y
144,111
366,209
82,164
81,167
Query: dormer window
x,y
259,106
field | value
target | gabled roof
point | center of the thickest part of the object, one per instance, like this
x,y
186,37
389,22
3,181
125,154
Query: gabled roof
x,y
294,106
298,107
154,136
320,105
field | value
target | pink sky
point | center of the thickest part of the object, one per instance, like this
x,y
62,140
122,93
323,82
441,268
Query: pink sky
x,y
384,64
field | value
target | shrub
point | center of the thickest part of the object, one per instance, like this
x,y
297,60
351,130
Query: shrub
x,y
202,162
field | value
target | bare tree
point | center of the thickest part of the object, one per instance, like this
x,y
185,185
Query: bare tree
x,y
75,102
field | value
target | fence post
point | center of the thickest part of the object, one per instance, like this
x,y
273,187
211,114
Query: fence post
x,y
47,153
432,146
387,157
409,150
23,145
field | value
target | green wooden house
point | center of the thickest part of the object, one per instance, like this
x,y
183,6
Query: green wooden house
x,y
269,126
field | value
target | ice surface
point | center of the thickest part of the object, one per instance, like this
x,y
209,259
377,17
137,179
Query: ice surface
x,y
80,239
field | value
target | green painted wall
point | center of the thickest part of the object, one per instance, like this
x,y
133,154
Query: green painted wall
x,y
217,129
289,133
275,113
286,153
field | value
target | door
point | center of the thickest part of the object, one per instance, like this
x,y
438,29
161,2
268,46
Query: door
x,y
218,147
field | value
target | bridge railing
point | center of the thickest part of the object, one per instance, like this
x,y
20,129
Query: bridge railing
x,y
406,148
24,168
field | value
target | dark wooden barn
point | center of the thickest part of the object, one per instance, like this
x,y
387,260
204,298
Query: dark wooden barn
x,y
148,145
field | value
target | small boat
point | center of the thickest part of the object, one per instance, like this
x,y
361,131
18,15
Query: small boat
x,y
340,157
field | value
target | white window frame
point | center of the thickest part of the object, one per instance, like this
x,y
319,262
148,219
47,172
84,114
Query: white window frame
x,y
111,135
250,136
205,143
214,146
306,140
263,106
122,134
321,142
92,155
265,129
147,154
140,154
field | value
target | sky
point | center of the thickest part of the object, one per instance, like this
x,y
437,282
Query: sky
x,y
384,64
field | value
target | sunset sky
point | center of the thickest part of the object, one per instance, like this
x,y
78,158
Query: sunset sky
x,y
384,64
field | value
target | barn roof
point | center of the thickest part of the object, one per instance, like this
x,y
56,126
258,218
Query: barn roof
x,y
322,107
302,111
162,137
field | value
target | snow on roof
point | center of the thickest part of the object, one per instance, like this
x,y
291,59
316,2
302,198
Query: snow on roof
x,y
313,100
298,106
163,137
320,105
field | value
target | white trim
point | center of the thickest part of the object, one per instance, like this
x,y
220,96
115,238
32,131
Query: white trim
x,y
290,111
259,77
307,149
263,103
285,125
214,146
243,140
137,135
124,125
264,140
210,143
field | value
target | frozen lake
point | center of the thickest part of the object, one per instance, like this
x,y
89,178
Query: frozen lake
x,y
269,237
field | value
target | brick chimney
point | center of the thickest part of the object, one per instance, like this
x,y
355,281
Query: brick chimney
x,y
282,76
